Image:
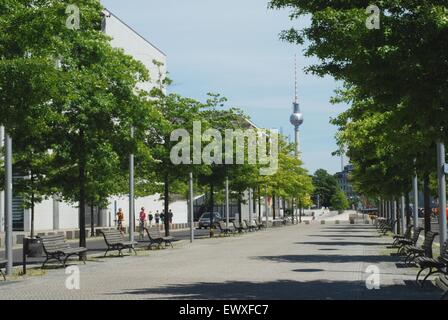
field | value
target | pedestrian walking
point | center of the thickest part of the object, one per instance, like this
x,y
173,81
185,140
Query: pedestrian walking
x,y
162,217
157,217
142,219
150,218
120,220
170,216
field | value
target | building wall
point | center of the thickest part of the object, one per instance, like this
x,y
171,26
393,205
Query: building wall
x,y
133,44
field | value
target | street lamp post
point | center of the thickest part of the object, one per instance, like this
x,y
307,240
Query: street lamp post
x,y
415,193
191,208
266,207
227,203
8,203
441,167
403,216
131,193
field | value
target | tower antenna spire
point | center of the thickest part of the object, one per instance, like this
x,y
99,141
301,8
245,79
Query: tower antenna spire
x,y
295,78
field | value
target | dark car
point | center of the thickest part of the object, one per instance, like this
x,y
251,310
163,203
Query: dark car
x,y
204,220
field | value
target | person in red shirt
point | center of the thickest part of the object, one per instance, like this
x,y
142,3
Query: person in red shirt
x,y
142,219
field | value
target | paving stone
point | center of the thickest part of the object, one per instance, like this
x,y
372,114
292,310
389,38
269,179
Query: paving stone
x,y
294,262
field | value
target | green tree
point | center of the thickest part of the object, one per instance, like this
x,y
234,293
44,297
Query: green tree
x,y
339,200
325,186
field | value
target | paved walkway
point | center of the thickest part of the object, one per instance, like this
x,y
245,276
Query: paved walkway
x,y
296,262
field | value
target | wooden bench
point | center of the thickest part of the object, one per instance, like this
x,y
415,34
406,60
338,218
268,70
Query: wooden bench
x,y
250,226
275,222
3,264
402,243
224,229
56,248
387,225
258,224
425,250
435,266
240,228
155,238
406,235
115,241
442,283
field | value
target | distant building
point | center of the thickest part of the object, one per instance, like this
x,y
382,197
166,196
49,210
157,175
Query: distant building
x,y
343,179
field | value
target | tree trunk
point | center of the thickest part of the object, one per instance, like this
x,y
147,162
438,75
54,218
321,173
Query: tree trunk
x,y
426,201
273,206
82,191
240,207
92,224
166,197
211,202
398,215
259,206
293,215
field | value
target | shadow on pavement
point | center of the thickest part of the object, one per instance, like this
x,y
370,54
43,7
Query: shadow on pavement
x,y
339,235
342,243
286,290
334,258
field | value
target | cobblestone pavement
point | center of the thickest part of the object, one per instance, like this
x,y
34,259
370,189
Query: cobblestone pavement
x,y
315,261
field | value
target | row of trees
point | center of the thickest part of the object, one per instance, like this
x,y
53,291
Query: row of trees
x,y
327,192
72,105
394,79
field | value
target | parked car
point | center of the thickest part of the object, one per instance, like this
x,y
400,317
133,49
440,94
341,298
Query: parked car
x,y
204,220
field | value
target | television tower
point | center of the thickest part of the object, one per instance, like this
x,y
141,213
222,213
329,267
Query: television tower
x,y
297,117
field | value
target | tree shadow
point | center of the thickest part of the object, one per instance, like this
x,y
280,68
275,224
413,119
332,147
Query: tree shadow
x,y
342,243
284,290
339,235
346,231
334,258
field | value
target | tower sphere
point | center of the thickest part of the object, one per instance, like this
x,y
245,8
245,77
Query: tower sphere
x,y
296,119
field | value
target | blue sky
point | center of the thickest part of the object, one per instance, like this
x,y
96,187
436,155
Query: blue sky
x,y
232,47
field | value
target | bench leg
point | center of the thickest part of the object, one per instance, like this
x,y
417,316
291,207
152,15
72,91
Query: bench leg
x,y
428,275
45,262
107,250
419,273
48,258
3,275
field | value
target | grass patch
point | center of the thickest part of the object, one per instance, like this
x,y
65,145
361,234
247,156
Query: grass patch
x,y
17,273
